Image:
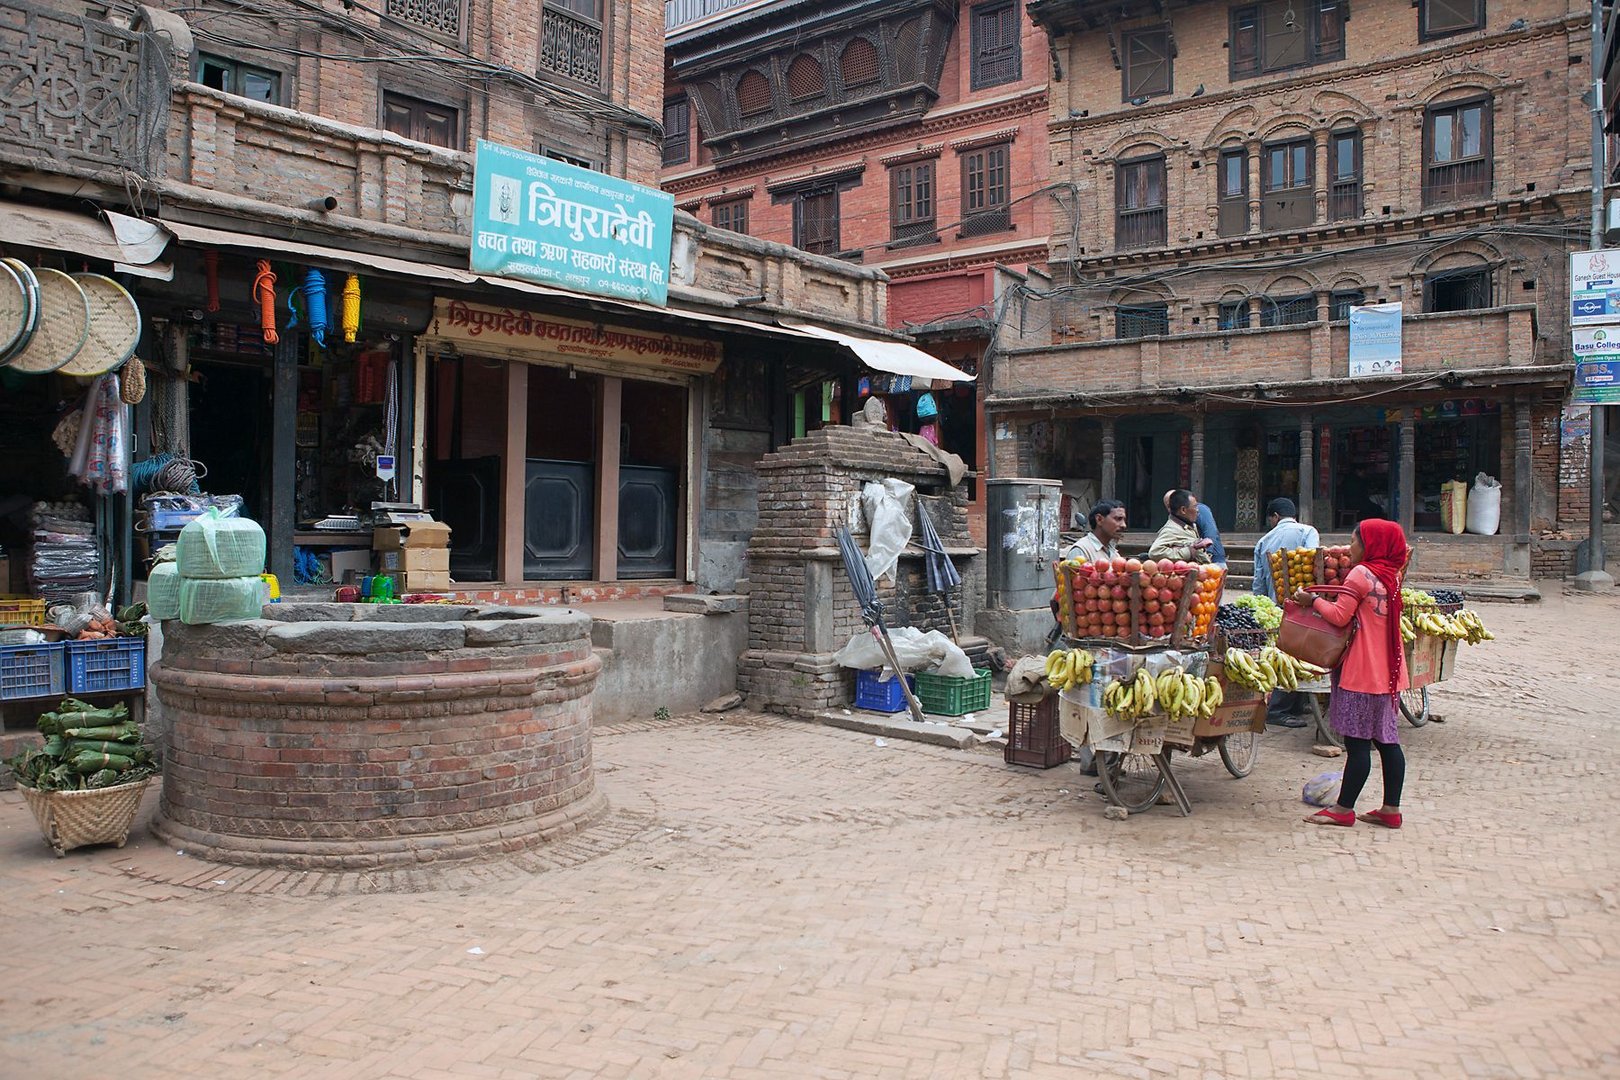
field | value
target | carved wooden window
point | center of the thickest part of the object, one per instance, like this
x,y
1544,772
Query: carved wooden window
x,y
1458,290
911,204
1457,152
1287,177
1141,320
441,17
1284,34
244,80
424,121
997,55
815,221
571,40
677,131
731,214
753,94
804,78
1233,315
858,66
1288,310
1344,176
1232,180
986,190
1145,64
1442,18
1140,214
1340,301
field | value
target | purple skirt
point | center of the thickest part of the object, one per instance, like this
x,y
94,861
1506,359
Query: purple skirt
x,y
1363,716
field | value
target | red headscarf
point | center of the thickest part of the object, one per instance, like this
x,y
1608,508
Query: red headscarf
x,y
1385,550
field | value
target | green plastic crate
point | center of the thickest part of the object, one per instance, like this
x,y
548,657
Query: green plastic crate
x,y
946,695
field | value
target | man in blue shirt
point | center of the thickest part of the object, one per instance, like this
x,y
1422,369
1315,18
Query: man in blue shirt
x,y
1208,531
1285,535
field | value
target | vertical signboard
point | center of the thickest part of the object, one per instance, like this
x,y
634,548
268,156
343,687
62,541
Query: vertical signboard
x,y
1375,339
1594,288
1597,365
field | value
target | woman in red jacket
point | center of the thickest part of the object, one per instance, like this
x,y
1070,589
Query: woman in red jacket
x,y
1373,672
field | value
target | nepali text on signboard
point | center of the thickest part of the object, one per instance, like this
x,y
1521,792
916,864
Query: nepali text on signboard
x,y
511,331
1597,365
551,222
1375,339
1594,288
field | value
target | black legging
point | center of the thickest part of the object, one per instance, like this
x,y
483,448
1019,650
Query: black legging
x,y
1358,766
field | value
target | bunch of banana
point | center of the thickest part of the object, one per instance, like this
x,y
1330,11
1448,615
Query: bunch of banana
x,y
1408,631
1436,624
1183,694
1131,699
1472,629
1287,669
1245,670
1214,696
1068,668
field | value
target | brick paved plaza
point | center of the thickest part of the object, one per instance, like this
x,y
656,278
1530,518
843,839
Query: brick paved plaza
x,y
771,899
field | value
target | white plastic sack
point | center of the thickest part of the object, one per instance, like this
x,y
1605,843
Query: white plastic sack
x,y
163,591
932,652
887,507
1485,505
217,547
210,600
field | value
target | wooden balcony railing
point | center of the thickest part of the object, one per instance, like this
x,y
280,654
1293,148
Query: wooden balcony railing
x,y
1140,228
1457,182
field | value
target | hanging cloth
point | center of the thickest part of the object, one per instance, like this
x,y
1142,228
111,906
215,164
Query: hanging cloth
x,y
101,459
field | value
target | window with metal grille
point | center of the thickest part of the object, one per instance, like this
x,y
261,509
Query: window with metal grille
x,y
1344,175
1288,310
732,214
442,17
1442,18
1458,290
1145,64
424,121
1340,301
804,78
858,66
1141,320
1232,189
815,221
243,80
1140,215
1284,34
997,56
1457,152
571,40
986,199
753,94
911,204
1233,315
566,158
677,131
1287,200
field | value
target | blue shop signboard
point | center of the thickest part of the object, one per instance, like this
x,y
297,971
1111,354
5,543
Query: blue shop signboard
x,y
1597,365
557,224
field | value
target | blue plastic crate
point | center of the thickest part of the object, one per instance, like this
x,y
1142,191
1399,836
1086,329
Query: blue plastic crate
x,y
28,671
886,697
112,664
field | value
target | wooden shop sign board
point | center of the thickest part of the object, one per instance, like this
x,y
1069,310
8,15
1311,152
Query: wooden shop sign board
x,y
509,332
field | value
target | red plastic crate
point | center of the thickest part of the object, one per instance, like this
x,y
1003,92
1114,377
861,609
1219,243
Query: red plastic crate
x,y
1033,738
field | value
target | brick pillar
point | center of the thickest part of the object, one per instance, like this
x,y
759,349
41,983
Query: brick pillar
x,y
1307,469
1254,185
1105,486
1523,471
1408,466
1197,472
610,416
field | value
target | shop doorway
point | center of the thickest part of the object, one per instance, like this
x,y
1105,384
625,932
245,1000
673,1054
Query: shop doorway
x,y
652,462
559,488
466,426
230,433
1364,475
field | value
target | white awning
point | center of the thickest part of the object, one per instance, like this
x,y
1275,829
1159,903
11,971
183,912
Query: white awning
x,y
132,244
895,357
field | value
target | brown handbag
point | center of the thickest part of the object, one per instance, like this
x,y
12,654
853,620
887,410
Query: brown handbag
x,y
1307,636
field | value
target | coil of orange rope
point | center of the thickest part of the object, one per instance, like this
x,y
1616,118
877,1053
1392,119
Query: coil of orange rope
x,y
264,294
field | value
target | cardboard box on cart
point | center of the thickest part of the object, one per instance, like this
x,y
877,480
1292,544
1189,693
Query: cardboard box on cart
x,y
416,554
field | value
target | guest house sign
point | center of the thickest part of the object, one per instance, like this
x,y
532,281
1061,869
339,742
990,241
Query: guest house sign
x,y
554,223
507,332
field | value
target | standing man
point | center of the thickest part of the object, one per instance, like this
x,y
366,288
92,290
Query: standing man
x,y
1107,521
1286,534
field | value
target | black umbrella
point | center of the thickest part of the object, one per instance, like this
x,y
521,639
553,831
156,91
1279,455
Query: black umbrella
x,y
942,575
860,580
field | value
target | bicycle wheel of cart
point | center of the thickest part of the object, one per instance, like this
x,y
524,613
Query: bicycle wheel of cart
x,y
1239,751
1130,780
1415,705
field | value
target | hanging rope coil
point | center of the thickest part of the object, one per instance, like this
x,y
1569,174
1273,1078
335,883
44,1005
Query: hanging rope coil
x,y
351,308
314,293
264,294
211,272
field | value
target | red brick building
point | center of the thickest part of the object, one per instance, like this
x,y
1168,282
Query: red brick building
x,y
1239,177
907,135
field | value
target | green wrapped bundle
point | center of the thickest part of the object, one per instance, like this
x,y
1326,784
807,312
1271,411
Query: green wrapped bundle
x,y
85,762
120,733
101,746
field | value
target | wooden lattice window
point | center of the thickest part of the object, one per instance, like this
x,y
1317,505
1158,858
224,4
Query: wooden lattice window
x,y
1140,214
986,191
804,78
815,221
677,131
997,55
731,214
859,63
1288,310
911,204
442,17
753,94
1142,320
1457,152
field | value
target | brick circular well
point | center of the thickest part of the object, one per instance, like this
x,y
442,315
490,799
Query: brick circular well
x,y
346,736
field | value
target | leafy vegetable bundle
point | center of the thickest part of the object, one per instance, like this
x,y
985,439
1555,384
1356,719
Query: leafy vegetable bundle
x,y
85,747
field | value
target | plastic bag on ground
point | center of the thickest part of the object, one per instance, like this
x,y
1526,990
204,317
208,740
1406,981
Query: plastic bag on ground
x,y
1484,505
1322,789
932,652
163,591
216,600
887,507
217,547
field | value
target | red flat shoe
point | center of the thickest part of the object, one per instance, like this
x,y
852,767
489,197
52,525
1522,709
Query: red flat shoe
x,y
1328,817
1378,817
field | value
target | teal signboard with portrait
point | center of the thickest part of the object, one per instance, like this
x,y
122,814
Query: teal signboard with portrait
x,y
557,224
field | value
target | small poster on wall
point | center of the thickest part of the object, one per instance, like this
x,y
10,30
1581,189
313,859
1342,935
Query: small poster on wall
x,y
1375,339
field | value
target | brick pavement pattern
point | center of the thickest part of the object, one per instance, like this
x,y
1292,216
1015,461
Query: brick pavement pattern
x,y
772,899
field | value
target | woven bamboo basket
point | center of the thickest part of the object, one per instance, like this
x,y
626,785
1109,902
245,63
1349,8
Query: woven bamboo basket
x,y
72,819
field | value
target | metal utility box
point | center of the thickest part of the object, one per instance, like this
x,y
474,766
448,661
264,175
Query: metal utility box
x,y
1022,523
